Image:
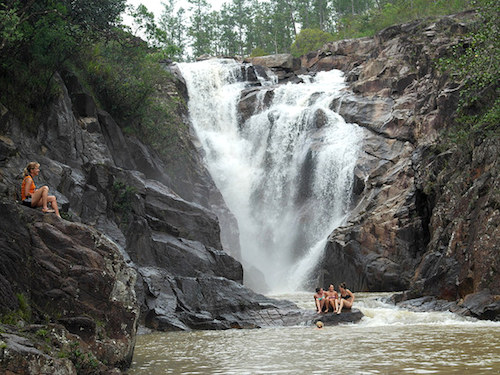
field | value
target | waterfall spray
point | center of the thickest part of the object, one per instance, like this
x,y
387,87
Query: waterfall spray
x,y
286,172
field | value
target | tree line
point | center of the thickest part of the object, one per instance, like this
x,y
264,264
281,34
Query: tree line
x,y
39,38
259,27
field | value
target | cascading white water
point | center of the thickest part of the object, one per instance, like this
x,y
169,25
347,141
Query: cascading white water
x,y
286,173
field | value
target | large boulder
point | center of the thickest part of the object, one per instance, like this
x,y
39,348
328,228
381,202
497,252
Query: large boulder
x,y
281,61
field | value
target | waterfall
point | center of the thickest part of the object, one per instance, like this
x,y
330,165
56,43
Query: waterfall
x,y
286,172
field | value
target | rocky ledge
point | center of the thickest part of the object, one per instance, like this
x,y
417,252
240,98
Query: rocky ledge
x,y
73,281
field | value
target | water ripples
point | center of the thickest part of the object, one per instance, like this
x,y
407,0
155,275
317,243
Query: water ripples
x,y
407,343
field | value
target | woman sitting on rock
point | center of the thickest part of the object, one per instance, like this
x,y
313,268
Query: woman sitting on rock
x,y
331,299
346,298
319,299
33,197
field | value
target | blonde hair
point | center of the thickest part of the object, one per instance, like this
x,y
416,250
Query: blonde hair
x,y
32,165
319,324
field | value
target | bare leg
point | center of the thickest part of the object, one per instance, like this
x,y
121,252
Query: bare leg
x,y
318,305
53,203
341,304
39,198
347,304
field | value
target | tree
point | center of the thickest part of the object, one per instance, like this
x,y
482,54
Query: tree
x,y
352,7
144,22
199,30
171,35
310,40
37,37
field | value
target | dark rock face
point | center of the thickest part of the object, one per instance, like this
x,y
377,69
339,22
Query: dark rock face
x,y
284,66
72,273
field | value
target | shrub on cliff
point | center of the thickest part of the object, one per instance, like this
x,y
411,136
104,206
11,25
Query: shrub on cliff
x,y
37,37
129,81
310,40
476,63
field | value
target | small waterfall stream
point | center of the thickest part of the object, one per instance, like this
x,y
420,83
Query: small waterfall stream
x,y
286,172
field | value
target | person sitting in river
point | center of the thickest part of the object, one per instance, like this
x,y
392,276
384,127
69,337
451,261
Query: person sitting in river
x,y
319,299
332,299
33,197
346,298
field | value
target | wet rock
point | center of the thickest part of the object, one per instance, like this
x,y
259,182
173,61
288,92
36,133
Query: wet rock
x,y
252,102
20,356
284,66
409,227
333,319
281,61
483,305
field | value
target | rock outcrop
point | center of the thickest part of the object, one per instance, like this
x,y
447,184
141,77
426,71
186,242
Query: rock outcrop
x,y
72,280
425,219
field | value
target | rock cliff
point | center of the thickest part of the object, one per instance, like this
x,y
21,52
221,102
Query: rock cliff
x,y
427,215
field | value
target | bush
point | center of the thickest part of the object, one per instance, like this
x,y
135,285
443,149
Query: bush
x,y
128,80
394,12
476,63
310,40
36,38
257,51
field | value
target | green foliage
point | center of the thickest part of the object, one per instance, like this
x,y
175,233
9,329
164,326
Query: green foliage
x,y
257,51
85,362
22,314
310,40
35,40
122,76
368,21
122,197
241,26
476,63
351,7
42,333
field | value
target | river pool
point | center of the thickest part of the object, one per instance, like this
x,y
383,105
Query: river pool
x,y
388,340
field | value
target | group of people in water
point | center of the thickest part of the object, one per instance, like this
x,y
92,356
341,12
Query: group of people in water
x,y
33,197
332,300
